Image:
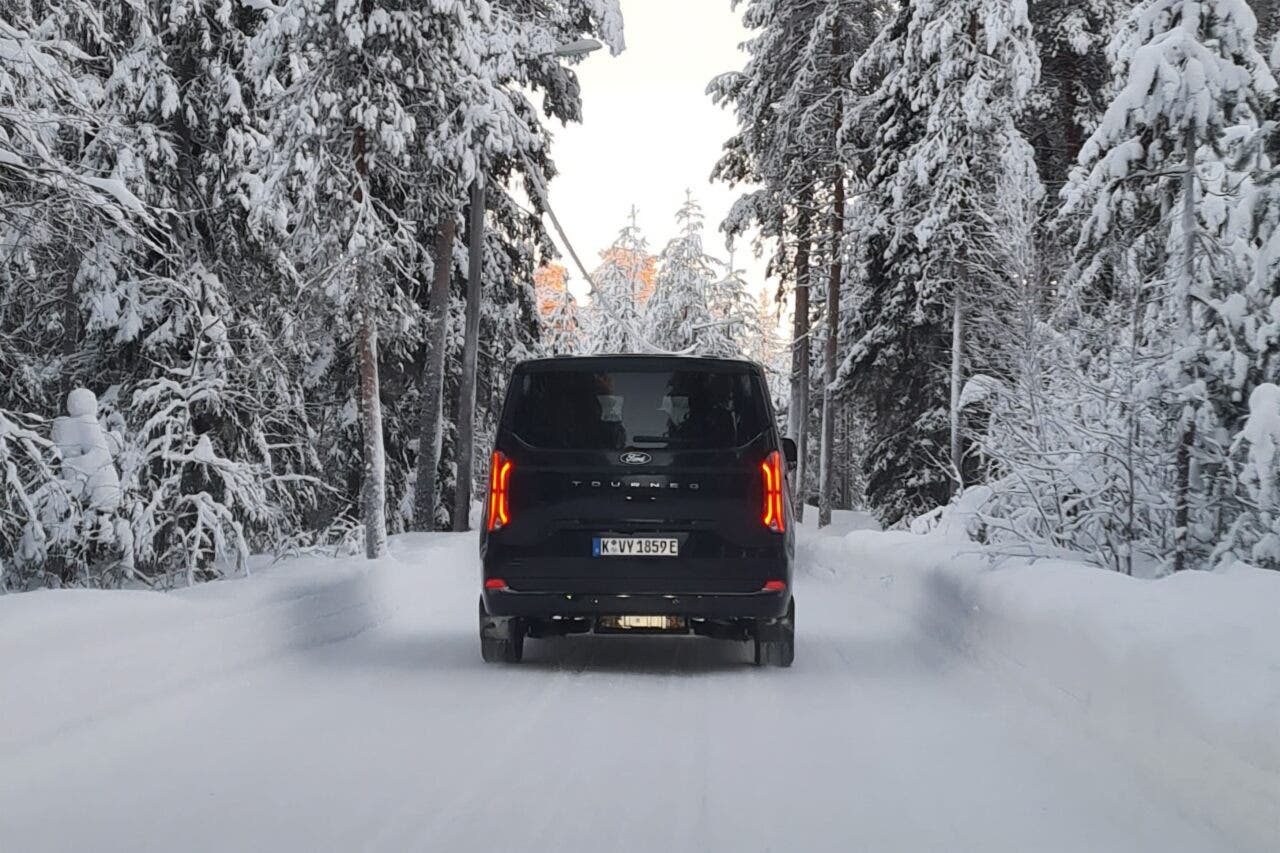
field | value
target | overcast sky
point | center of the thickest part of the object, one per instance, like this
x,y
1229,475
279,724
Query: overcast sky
x,y
649,131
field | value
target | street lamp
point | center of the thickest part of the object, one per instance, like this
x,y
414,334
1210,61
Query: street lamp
x,y
475,266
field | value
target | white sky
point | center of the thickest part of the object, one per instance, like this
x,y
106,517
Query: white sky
x,y
650,132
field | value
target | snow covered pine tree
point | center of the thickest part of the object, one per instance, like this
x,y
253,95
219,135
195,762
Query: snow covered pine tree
x,y
678,317
1160,187
383,114
931,192
620,292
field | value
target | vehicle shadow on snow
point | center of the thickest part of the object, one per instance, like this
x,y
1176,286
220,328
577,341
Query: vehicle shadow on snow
x,y
871,654
348,623
648,655
862,654
353,622
361,621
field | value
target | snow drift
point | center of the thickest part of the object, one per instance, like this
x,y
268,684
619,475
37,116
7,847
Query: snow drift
x,y
1180,675
77,656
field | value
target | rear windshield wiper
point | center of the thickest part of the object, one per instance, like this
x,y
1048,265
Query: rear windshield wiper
x,y
667,440
653,439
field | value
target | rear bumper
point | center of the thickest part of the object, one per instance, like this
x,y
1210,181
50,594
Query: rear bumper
x,y
544,605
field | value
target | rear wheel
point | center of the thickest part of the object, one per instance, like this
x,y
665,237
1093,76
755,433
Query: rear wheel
x,y
502,651
501,638
775,639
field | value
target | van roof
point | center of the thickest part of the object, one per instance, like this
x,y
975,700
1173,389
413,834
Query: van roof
x,y
605,362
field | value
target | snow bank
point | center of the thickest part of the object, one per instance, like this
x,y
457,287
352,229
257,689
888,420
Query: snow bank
x,y
1180,675
75,656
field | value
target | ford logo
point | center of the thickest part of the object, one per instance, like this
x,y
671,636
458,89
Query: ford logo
x,y
635,457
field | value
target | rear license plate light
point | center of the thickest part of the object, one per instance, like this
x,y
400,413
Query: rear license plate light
x,y
643,623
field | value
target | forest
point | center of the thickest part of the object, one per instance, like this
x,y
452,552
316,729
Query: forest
x,y
1032,250
1026,250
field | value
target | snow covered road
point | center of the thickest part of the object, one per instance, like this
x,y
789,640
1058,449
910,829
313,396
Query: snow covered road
x,y
356,715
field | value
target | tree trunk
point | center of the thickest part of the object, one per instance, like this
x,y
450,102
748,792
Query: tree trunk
x,y
373,498
431,424
373,492
826,465
1134,285
1182,496
71,311
1182,504
846,452
826,461
798,417
957,383
470,346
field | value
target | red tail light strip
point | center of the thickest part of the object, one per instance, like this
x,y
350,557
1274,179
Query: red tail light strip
x,y
773,516
499,513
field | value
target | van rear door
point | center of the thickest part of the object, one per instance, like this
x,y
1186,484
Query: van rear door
x,y
635,448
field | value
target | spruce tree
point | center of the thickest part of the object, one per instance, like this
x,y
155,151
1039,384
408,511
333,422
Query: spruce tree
x,y
735,317
678,316
619,293
562,334
772,153
1072,92
946,82
1158,186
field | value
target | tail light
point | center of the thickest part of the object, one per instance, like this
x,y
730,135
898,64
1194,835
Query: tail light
x,y
499,513
495,583
772,516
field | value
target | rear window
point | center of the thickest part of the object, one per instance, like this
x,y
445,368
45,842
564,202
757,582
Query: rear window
x,y
616,409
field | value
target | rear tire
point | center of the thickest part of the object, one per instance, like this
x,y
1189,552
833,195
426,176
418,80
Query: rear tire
x,y
502,651
501,638
775,639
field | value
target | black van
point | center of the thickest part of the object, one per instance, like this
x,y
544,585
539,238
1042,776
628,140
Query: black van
x,y
638,494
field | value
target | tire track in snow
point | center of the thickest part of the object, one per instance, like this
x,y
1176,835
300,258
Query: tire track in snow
x,y
500,733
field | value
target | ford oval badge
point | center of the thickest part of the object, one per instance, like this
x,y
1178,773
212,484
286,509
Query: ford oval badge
x,y
635,457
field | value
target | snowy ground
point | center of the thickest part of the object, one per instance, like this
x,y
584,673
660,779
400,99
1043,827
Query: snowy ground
x,y
323,705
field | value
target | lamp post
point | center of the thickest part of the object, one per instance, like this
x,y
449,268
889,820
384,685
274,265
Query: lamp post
x,y
470,348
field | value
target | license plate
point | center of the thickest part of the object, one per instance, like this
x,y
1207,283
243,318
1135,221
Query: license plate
x,y
642,623
635,546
